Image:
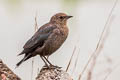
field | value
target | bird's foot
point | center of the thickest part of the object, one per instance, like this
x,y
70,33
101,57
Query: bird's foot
x,y
53,66
45,66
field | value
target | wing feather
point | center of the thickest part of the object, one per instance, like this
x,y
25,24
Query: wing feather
x,y
38,38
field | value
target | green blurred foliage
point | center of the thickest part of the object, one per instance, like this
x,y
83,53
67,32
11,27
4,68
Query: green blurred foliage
x,y
70,2
13,2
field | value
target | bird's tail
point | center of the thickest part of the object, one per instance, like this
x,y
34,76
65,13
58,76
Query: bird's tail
x,y
26,57
21,53
18,64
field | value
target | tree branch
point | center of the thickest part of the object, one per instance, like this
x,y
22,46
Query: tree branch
x,y
53,74
6,73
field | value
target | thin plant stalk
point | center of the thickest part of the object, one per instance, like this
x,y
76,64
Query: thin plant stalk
x,y
76,61
100,40
36,28
71,59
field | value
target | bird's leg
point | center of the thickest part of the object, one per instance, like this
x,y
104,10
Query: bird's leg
x,y
44,61
47,60
51,65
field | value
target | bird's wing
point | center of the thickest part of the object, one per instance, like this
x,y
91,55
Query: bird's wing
x,y
39,37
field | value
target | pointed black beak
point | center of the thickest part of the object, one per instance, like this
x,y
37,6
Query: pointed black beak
x,y
69,17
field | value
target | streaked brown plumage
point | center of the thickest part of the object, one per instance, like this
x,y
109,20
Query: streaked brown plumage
x,y
47,39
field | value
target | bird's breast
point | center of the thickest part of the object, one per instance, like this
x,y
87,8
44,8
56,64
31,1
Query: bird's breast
x,y
56,39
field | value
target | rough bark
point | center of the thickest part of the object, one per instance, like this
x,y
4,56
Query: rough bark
x,y
45,74
6,73
53,74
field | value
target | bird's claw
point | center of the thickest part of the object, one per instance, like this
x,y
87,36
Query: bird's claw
x,y
51,67
45,66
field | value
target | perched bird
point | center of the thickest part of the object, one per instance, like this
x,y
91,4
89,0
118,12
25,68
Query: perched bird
x,y
47,39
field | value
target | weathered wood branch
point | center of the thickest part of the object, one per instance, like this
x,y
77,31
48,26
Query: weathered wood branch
x,y
6,73
53,74
45,74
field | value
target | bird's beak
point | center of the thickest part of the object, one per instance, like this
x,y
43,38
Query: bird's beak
x,y
69,17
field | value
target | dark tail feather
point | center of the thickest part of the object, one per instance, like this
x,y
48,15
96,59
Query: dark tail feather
x,y
26,57
21,53
18,64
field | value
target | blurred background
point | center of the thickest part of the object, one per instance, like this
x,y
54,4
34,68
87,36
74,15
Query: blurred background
x,y
17,19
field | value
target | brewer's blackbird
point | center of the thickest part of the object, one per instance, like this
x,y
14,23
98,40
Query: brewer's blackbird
x,y
47,39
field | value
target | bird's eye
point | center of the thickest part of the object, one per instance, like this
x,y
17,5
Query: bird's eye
x,y
61,17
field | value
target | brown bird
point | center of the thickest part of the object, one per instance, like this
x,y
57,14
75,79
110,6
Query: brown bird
x,y
47,39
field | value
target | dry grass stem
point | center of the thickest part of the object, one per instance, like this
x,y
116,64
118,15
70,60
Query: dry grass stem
x,y
36,28
100,42
71,59
76,61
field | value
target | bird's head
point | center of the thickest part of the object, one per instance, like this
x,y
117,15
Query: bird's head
x,y
60,18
